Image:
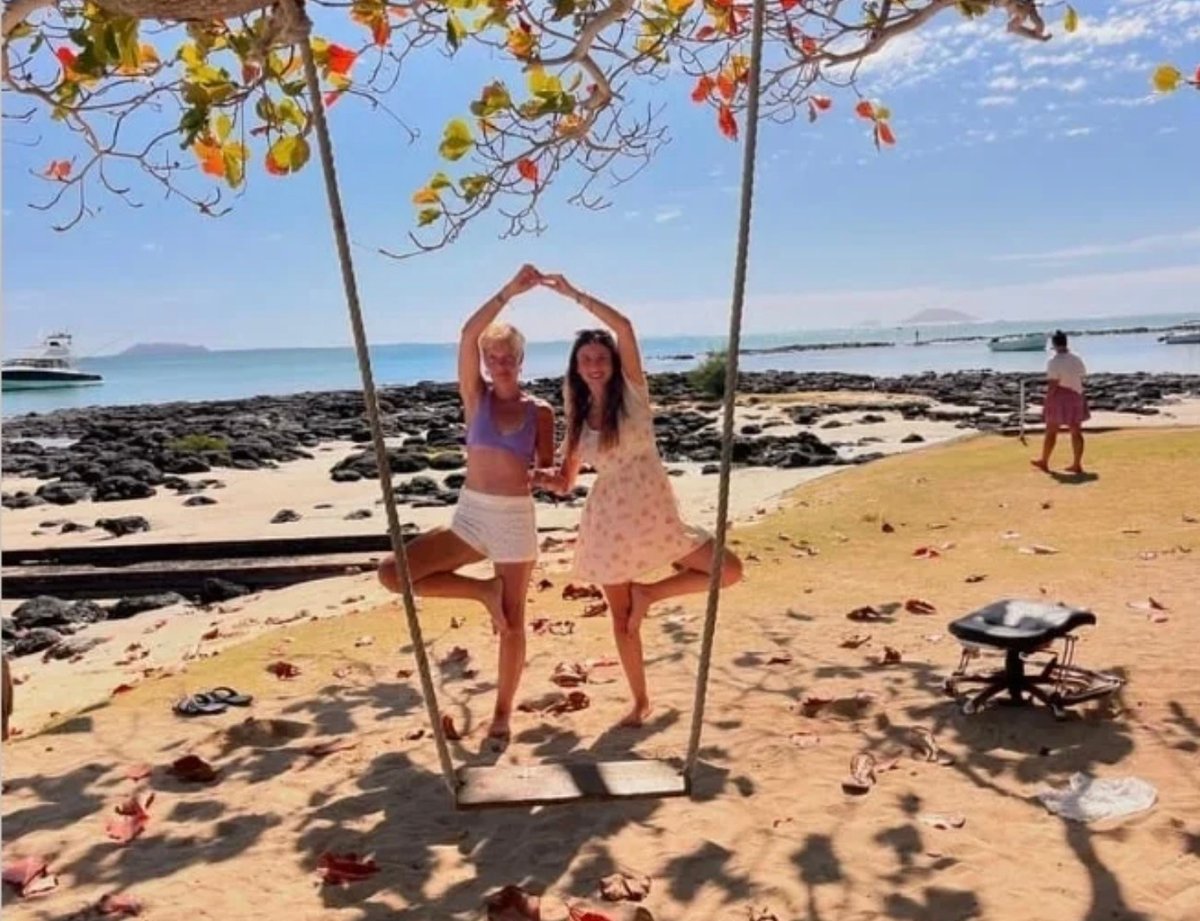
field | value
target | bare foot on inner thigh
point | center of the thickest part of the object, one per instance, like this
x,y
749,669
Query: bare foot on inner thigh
x,y
637,715
639,604
494,602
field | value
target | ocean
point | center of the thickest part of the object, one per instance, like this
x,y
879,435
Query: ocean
x,y
222,375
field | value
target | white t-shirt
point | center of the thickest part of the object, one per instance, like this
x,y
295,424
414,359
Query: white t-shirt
x,y
1067,369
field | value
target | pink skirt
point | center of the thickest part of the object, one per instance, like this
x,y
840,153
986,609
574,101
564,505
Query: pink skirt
x,y
1064,408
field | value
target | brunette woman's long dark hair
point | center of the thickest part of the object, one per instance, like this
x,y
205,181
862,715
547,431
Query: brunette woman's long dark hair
x,y
577,398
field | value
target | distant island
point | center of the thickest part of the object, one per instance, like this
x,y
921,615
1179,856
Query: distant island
x,y
939,315
162,349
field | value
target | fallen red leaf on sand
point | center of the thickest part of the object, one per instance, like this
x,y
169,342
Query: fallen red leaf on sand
x,y
137,771
413,734
193,769
586,914
596,610
212,634
917,606
130,820
404,673
283,669
853,642
121,689
887,528
20,873
780,658
1037,550
974,579
544,584
569,674
555,703
512,903
573,592
891,656
926,553
321,749
449,730
340,869
812,705
543,625
620,887
118,905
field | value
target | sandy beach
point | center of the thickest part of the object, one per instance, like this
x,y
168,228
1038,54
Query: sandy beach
x,y
769,831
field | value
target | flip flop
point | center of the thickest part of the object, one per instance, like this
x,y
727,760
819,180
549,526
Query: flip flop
x,y
862,774
197,705
229,697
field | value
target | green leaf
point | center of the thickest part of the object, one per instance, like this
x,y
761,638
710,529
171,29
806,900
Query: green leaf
x,y
472,186
494,99
290,152
563,9
223,127
544,84
456,140
455,31
1071,19
290,112
428,216
192,123
440,181
234,158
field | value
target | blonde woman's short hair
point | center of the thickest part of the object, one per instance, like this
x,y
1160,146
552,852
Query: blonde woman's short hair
x,y
499,333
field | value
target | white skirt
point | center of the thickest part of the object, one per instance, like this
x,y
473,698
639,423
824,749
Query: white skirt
x,y
502,528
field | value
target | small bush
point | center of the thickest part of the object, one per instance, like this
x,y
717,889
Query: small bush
x,y
709,376
194,444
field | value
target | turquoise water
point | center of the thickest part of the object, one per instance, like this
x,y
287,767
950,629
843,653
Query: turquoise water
x,y
236,374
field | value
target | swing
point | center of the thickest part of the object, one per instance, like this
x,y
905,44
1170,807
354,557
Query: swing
x,y
507,785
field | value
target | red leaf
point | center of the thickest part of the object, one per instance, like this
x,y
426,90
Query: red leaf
x,y
725,85
121,689
283,669
20,873
917,606
822,102
864,110
59,170
381,31
321,749
703,89
586,914
116,905
193,769
883,131
345,868
704,33
727,123
124,828
573,592
513,903
528,169
340,59
926,553
788,4
66,57
808,45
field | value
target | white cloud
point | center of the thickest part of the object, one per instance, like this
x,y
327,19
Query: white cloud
x,y
997,100
664,215
1004,84
1131,101
1077,132
1066,59
1075,86
152,247
1161,242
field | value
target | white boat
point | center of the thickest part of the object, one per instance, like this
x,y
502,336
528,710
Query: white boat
x,y
54,366
1183,337
1021,342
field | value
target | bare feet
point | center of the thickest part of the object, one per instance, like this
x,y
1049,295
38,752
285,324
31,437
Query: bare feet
x,y
1075,469
1041,465
494,602
639,604
637,715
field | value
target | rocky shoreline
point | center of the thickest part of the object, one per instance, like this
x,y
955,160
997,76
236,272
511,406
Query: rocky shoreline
x,y
130,452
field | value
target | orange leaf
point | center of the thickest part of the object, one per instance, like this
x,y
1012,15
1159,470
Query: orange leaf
x,y
340,59
703,88
808,45
883,131
727,123
704,33
212,162
59,169
250,73
725,85
331,97
274,167
822,102
528,169
864,110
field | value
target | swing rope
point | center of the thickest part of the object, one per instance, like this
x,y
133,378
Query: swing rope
x,y
337,217
731,380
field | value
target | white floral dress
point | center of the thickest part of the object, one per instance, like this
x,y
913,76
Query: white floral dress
x,y
630,523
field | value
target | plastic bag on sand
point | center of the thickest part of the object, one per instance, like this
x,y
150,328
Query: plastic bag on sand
x,y
1090,799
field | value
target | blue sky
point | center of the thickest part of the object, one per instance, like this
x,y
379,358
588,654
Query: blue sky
x,y
1029,180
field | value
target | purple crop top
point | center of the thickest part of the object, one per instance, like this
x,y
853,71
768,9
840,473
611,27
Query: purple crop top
x,y
483,432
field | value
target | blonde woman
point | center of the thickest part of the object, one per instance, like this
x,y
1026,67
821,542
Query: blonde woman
x,y
507,431
630,523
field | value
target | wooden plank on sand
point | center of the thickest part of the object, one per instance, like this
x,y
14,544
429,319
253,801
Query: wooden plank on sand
x,y
547,784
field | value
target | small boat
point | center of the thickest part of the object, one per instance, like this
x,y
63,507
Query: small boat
x,y
53,367
1021,342
1183,337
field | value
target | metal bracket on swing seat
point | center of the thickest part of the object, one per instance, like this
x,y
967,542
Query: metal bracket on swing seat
x,y
568,782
